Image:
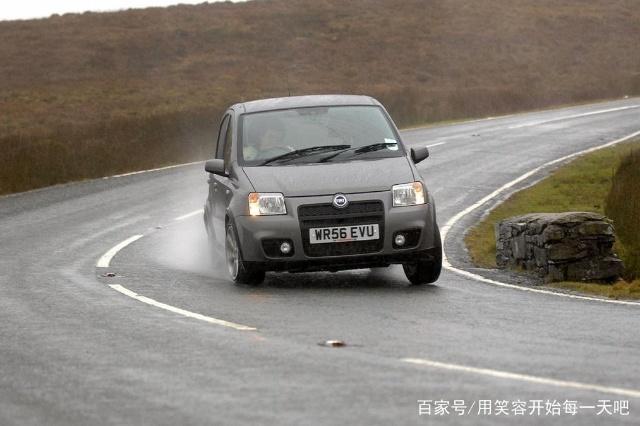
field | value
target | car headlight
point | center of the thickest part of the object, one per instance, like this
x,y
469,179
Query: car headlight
x,y
264,204
408,194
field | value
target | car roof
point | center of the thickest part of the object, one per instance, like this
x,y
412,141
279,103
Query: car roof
x,y
302,102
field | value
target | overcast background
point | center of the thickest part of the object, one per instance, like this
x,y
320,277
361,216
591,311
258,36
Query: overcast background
x,y
28,9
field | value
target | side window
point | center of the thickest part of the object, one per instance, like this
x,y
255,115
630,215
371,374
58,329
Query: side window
x,y
227,146
222,133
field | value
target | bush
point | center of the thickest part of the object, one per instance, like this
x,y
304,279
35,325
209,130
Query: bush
x,y
117,146
623,206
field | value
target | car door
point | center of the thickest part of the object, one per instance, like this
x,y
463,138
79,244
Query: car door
x,y
221,186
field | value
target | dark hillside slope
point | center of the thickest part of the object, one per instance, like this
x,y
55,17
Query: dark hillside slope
x,y
101,93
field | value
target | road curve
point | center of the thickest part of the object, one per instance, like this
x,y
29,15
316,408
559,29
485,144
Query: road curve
x,y
78,347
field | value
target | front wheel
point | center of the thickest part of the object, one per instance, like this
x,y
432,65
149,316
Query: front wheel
x,y
240,271
427,270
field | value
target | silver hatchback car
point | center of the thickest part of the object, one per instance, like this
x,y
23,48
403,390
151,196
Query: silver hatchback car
x,y
320,182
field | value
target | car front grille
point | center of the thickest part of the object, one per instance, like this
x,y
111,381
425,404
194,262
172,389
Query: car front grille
x,y
325,215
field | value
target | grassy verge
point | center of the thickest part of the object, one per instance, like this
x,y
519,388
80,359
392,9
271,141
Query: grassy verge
x,y
582,185
620,290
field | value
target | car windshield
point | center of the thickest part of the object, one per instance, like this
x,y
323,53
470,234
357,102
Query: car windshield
x,y
316,134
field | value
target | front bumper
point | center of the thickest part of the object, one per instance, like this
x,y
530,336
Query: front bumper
x,y
254,230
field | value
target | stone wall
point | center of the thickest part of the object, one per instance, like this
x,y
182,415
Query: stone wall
x,y
572,246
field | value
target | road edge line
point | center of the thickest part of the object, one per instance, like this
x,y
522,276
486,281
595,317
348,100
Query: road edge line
x,y
570,117
173,166
105,259
188,215
123,290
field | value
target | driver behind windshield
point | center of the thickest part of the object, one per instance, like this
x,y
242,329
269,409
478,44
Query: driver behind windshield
x,y
268,143
318,134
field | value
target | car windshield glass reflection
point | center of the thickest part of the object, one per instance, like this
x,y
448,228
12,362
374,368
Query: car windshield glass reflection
x,y
305,152
352,152
306,135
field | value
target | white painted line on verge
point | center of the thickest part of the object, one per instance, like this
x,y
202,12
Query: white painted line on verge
x,y
567,117
183,312
436,144
524,377
462,122
105,260
188,215
447,226
153,170
477,277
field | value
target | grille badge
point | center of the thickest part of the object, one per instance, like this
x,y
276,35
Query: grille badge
x,y
340,201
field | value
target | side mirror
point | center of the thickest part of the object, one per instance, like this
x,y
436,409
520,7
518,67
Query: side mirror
x,y
420,153
215,166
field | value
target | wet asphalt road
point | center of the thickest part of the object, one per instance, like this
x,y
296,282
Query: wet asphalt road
x,y
75,351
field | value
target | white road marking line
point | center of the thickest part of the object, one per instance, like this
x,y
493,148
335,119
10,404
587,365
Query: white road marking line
x,y
154,170
188,215
436,144
477,277
105,260
183,312
567,117
525,377
445,229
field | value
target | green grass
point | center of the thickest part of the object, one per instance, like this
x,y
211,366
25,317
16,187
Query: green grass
x,y
582,185
619,290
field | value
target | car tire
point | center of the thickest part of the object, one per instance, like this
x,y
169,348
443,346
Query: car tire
x,y
240,271
426,271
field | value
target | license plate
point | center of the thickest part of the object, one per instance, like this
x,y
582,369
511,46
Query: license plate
x,y
341,234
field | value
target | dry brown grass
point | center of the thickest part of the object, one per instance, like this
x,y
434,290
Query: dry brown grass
x,y
93,94
620,290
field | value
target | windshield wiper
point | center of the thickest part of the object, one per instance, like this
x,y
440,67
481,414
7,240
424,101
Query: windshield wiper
x,y
304,152
360,149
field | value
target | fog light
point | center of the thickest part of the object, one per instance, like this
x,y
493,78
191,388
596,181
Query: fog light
x,y
399,240
285,248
